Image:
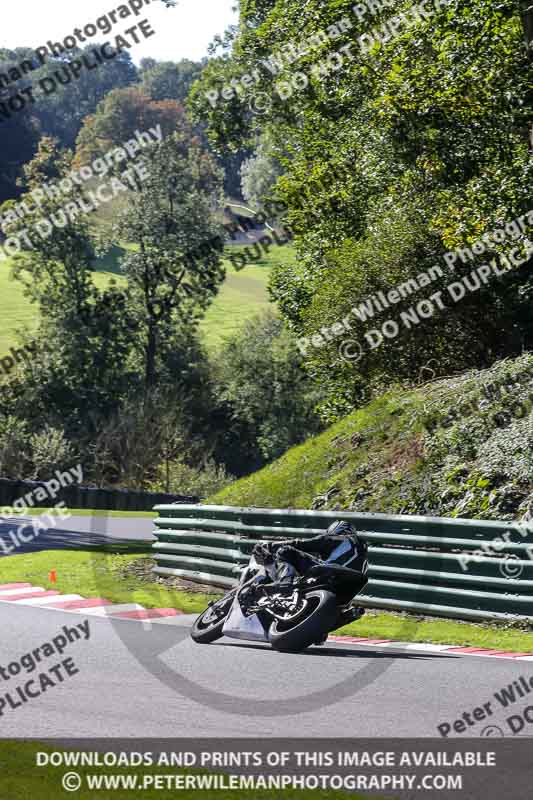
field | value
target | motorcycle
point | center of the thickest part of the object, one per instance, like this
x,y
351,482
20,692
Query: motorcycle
x,y
290,616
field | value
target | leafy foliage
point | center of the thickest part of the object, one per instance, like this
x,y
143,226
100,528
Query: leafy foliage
x,y
259,174
169,80
50,451
267,393
429,133
119,116
200,481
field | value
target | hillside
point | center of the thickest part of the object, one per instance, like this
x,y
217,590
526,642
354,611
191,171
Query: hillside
x,y
460,446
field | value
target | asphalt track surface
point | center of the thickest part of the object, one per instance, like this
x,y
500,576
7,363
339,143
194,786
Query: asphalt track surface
x,y
123,688
75,533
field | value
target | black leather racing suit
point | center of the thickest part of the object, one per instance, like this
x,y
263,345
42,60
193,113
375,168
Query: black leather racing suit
x,y
297,556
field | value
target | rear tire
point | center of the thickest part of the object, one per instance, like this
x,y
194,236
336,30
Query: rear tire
x,y
309,626
208,627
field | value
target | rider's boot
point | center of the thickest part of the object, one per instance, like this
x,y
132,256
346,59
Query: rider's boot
x,y
344,617
351,614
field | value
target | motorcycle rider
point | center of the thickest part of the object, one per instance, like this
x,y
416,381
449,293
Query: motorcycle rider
x,y
287,560
340,545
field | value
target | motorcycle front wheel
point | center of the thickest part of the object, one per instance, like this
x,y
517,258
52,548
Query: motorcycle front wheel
x,y
308,626
208,627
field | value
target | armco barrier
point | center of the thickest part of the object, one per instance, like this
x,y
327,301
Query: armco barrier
x,y
414,562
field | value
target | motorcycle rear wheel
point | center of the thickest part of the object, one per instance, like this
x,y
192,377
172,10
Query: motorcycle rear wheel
x,y
208,627
309,626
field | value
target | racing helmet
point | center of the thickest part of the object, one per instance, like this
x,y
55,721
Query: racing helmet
x,y
341,528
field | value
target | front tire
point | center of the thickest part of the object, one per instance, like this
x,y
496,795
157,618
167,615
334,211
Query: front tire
x,y
309,626
208,627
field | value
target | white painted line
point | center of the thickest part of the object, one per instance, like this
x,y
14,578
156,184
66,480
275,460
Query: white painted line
x,y
108,611
430,648
42,601
21,592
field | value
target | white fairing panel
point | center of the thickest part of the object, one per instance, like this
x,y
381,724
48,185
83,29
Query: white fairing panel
x,y
237,626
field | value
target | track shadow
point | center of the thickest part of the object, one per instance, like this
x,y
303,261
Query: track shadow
x,y
335,652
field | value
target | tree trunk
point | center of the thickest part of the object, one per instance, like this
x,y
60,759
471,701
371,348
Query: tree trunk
x,y
526,12
151,350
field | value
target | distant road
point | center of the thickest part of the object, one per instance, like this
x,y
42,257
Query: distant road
x,y
77,532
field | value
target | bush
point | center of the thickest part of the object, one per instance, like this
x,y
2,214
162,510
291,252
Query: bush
x,y
50,451
182,478
263,387
15,448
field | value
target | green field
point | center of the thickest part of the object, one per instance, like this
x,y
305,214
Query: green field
x,y
17,311
243,294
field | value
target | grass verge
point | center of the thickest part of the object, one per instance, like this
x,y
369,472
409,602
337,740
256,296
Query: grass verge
x,y
96,574
21,778
406,628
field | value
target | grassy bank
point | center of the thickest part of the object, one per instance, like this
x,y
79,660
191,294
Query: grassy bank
x,y
406,628
458,447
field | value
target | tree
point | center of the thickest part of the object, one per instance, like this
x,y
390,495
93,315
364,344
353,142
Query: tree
x,y
171,216
168,80
120,115
269,398
62,113
259,173
15,449
425,133
84,338
526,10
128,448
19,133
18,140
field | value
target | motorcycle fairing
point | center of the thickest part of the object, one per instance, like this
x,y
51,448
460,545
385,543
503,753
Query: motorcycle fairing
x,y
239,626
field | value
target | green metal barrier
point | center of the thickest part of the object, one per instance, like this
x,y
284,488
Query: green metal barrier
x,y
457,568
